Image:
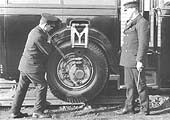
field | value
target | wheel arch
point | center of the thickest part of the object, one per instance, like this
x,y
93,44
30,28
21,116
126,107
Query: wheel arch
x,y
100,39
106,46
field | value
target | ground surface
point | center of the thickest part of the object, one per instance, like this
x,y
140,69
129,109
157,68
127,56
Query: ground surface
x,y
160,110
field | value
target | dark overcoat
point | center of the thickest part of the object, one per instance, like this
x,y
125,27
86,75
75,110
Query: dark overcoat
x,y
135,42
36,51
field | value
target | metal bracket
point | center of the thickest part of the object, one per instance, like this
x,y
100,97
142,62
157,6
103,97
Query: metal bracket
x,y
79,35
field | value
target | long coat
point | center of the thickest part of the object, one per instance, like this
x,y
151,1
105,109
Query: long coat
x,y
135,42
36,51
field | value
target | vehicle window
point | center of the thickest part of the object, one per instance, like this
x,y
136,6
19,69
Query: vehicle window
x,y
90,2
34,1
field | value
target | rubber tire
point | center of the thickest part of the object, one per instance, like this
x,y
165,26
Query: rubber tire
x,y
98,81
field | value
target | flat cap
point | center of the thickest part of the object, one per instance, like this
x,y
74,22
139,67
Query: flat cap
x,y
132,4
48,18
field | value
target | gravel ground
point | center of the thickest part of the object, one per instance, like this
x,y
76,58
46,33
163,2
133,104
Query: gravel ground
x,y
160,110
101,113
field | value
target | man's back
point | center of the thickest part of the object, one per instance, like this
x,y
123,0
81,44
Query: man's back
x,y
34,58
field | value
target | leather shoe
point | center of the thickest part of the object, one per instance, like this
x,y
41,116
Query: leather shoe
x,y
125,111
18,115
40,115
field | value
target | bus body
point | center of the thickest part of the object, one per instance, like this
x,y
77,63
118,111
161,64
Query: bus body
x,y
87,45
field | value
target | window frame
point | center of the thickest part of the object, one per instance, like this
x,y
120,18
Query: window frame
x,y
61,5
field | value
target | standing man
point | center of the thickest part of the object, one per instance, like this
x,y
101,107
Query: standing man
x,y
32,67
133,55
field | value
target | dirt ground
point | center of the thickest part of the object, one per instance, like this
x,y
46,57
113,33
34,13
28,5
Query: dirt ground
x,y
160,110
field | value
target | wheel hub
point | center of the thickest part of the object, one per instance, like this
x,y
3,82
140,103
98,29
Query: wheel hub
x,y
79,74
75,72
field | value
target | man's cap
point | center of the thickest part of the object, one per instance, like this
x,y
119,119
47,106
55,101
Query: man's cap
x,y
132,4
48,18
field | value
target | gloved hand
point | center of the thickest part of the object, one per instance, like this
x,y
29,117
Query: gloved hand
x,y
139,66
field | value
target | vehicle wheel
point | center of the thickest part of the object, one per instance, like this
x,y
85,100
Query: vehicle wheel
x,y
80,76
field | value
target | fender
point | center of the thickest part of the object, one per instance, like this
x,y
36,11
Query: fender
x,y
104,43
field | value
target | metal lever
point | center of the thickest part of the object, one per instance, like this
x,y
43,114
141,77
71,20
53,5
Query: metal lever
x,y
139,74
56,47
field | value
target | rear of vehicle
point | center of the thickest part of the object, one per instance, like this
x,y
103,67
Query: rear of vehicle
x,y
86,44
86,55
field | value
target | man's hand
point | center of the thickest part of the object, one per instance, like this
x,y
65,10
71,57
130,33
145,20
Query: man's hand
x,y
49,39
139,66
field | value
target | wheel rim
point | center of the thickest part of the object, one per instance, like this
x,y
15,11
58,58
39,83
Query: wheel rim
x,y
75,72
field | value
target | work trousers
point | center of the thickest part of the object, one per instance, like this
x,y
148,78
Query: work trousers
x,y
38,79
136,85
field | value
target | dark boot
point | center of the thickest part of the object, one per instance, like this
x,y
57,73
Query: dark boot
x,y
18,115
